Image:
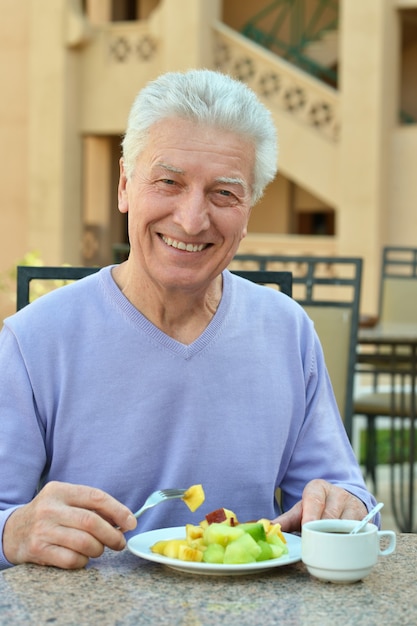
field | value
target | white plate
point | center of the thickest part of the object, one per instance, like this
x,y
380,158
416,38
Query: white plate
x,y
140,545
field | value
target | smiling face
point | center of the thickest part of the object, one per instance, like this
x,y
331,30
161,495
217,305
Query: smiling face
x,y
189,202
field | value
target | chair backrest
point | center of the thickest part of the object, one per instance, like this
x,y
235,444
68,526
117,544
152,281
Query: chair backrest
x,y
329,290
398,286
280,279
63,274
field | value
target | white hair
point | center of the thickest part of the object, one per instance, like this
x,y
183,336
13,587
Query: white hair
x,y
206,97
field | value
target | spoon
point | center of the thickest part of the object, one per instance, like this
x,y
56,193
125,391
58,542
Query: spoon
x,y
366,519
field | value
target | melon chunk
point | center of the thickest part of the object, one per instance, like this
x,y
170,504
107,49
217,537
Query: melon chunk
x,y
221,533
243,550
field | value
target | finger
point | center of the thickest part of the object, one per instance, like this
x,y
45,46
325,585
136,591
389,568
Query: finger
x,y
80,542
290,521
70,543
37,530
325,500
315,501
49,544
93,499
55,555
91,527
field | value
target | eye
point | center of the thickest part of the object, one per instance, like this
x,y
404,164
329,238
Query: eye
x,y
224,198
168,181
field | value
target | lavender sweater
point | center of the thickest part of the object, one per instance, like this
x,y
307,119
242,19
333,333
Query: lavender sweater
x,y
92,393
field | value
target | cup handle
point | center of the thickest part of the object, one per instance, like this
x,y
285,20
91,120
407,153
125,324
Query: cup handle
x,y
392,541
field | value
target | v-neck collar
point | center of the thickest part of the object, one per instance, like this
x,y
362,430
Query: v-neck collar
x,y
155,334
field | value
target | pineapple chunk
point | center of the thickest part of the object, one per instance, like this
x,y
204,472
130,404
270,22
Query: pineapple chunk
x,y
275,531
159,547
194,497
193,532
172,548
186,553
272,529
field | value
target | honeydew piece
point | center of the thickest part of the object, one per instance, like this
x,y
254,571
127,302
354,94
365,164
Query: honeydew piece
x,y
242,550
266,551
214,553
278,549
194,497
256,530
221,533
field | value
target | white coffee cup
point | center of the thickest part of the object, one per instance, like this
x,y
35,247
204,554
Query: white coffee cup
x,y
332,554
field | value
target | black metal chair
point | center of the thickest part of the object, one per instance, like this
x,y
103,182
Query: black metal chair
x,y
397,304
329,290
25,274
280,279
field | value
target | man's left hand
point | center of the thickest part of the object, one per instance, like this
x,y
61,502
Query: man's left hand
x,y
321,500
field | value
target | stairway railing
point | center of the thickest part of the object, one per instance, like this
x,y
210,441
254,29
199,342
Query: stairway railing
x,y
279,83
287,27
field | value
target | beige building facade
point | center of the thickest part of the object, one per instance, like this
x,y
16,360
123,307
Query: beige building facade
x,y
345,109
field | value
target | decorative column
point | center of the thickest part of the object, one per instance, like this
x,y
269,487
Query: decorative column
x,y
369,61
54,173
185,30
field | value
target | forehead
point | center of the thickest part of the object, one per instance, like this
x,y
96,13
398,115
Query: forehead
x,y
181,143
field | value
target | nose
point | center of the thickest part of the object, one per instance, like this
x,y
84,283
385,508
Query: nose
x,y
192,212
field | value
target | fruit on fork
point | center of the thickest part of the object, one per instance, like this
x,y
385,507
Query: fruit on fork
x,y
194,497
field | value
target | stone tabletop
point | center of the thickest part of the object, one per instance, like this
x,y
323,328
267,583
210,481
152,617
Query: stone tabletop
x,y
120,588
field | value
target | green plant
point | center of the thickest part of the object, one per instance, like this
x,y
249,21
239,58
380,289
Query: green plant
x,y
384,447
38,287
8,278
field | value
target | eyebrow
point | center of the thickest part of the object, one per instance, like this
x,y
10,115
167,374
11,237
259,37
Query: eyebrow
x,y
227,180
171,168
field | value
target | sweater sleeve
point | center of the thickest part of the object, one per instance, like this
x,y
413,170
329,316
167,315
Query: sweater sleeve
x,y
22,448
322,447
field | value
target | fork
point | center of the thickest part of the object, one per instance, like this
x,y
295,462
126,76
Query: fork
x,y
160,496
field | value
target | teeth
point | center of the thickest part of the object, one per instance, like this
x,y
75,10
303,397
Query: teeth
x,y
181,245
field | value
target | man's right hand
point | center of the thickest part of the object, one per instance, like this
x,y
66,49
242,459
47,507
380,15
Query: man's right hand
x,y
65,525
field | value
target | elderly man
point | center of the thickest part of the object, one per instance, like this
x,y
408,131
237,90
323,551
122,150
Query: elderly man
x,y
167,370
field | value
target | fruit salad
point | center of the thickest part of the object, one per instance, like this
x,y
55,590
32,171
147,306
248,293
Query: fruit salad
x,y
221,538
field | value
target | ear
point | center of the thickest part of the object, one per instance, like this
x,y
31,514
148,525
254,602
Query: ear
x,y
245,229
122,198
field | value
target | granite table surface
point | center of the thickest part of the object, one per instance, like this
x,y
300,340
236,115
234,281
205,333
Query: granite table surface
x,y
120,588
